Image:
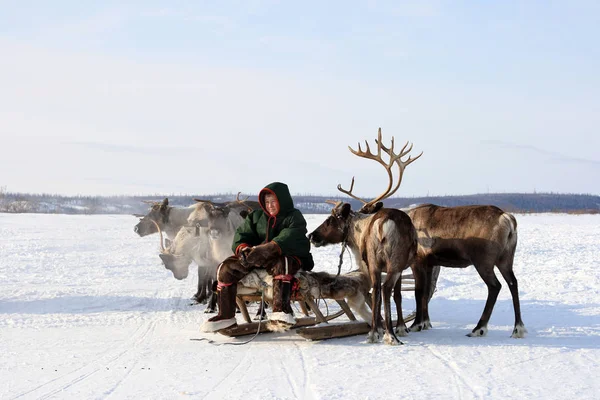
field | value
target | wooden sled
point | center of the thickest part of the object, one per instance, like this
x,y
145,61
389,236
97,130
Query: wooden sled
x,y
305,325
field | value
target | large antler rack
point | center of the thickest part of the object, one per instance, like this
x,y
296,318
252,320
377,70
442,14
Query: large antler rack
x,y
394,159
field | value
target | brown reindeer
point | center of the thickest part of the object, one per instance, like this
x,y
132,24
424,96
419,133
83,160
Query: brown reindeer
x,y
383,239
456,237
483,236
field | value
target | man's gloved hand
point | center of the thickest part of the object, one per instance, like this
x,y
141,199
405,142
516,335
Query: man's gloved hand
x,y
243,254
260,255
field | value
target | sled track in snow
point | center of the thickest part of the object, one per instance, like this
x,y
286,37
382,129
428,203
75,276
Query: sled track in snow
x,y
110,356
65,381
459,380
308,393
233,371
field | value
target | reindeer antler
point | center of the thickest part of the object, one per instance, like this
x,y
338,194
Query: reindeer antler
x,y
394,159
336,203
349,192
204,201
401,164
243,202
162,247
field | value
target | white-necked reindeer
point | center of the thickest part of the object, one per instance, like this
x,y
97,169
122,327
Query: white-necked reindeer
x,y
164,218
168,219
382,239
206,239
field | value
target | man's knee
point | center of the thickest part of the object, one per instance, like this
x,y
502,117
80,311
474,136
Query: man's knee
x,y
230,270
285,266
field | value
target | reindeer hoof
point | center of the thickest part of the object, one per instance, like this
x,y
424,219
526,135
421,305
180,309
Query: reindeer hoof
x,y
421,326
391,339
373,337
401,331
519,332
209,310
478,332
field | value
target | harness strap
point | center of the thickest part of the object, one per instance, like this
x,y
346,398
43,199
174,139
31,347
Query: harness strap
x,y
219,283
285,278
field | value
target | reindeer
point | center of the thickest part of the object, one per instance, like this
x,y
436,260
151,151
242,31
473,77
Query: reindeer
x,y
457,237
168,219
162,217
206,239
383,239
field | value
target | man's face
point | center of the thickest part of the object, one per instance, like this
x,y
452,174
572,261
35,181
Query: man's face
x,y
271,204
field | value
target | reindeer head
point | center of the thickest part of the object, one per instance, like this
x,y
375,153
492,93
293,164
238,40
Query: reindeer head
x,y
216,217
158,215
211,216
336,226
217,220
177,257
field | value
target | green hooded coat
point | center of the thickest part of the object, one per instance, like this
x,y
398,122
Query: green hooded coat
x,y
287,228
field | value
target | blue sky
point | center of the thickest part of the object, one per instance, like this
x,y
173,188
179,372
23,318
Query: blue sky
x,y
201,97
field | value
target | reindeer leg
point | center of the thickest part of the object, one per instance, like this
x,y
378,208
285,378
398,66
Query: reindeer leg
x,y
506,270
401,329
486,271
432,273
201,294
212,302
374,335
421,295
435,273
390,281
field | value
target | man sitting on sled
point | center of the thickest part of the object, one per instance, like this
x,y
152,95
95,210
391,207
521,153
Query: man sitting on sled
x,y
273,238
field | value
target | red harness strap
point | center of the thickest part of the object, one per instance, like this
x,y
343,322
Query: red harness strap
x,y
222,285
285,278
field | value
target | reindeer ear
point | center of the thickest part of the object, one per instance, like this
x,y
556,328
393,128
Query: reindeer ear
x,y
373,208
346,208
244,213
164,203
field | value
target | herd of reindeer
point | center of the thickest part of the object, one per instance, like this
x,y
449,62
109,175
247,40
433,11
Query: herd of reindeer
x,y
382,240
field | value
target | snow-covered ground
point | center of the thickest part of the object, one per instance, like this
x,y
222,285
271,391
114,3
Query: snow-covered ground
x,y
88,311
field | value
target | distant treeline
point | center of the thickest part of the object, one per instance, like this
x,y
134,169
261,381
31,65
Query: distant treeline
x,y
311,204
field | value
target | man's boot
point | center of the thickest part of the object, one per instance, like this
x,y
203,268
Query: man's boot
x,y
226,317
282,317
